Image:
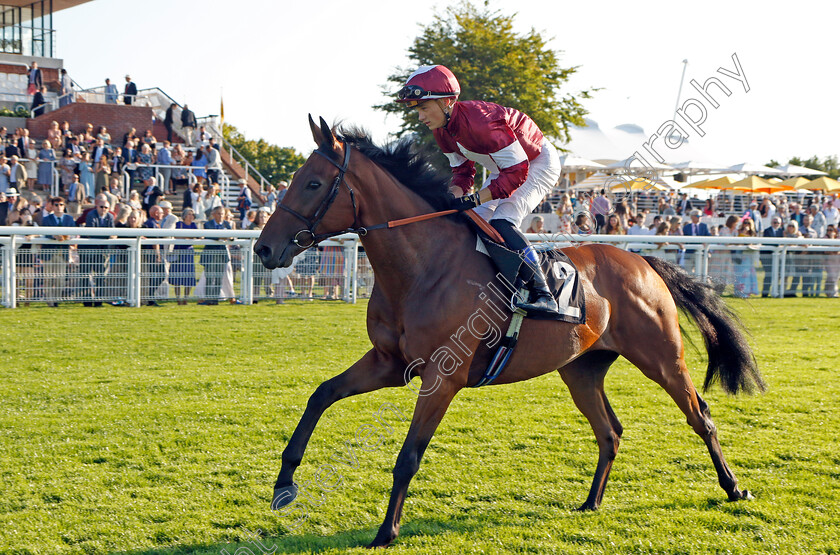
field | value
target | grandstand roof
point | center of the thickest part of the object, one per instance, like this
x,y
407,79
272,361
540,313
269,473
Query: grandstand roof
x,y
57,5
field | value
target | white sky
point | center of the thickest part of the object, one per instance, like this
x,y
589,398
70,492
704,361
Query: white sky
x,y
277,60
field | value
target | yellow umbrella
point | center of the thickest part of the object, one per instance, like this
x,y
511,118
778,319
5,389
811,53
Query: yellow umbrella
x,y
724,182
795,182
821,184
755,184
638,184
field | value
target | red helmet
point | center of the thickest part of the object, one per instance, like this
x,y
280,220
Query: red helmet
x,y
429,82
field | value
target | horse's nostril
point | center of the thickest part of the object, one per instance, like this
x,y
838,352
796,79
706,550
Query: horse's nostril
x,y
263,251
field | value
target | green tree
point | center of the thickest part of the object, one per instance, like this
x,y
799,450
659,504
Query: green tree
x,y
274,162
492,63
830,165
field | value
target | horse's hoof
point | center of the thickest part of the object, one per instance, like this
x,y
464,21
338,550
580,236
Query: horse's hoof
x,y
740,495
284,496
587,507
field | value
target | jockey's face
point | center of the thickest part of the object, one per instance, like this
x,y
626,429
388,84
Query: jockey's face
x,y
431,113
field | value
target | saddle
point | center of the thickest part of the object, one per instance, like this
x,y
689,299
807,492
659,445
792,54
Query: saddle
x,y
560,274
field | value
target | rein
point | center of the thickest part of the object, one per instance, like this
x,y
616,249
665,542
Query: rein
x,y
361,231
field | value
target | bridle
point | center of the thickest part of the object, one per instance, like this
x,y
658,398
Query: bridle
x,y
321,211
312,223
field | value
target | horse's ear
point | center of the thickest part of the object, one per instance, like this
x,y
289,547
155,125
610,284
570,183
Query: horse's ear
x,y
316,131
329,139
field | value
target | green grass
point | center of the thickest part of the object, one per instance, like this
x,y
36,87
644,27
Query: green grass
x,y
159,430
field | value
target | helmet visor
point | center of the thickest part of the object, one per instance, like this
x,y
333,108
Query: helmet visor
x,y
413,95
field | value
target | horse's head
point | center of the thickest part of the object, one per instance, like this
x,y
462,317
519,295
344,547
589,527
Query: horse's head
x,y
318,202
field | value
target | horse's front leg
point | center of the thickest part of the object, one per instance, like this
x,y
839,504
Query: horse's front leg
x,y
428,413
373,371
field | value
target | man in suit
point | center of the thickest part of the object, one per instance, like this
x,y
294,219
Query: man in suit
x,y
188,123
150,195
765,256
93,259
683,205
55,256
214,258
111,92
36,80
694,228
17,173
39,102
99,150
153,268
130,93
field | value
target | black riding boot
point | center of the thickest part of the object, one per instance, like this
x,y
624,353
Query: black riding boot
x,y
531,272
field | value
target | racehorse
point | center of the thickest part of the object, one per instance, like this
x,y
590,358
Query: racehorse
x,y
430,281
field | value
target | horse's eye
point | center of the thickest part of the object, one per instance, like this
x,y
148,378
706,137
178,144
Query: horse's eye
x,y
313,185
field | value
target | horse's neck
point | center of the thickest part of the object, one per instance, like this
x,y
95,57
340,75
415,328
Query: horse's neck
x,y
407,257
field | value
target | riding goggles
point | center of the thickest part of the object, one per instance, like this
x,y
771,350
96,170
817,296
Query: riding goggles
x,y
413,95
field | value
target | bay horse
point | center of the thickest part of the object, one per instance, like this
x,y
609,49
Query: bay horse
x,y
430,280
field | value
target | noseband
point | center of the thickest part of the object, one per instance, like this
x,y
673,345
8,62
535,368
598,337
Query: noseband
x,y
312,223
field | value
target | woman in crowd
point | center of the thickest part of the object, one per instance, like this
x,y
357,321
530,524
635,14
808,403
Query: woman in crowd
x,y
55,137
45,158
832,265
31,164
104,135
536,225
745,259
262,276
199,163
134,200
5,173
87,139
87,175
614,226
794,267
67,170
182,272
149,139
102,173
564,206
709,208
144,162
25,257
180,177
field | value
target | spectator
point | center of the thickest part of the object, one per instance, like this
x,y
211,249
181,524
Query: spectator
x,y
169,120
151,193
87,175
67,170
102,173
54,136
104,136
75,196
5,173
243,201
66,89
282,187
164,158
536,225
796,213
832,265
214,164
39,102
188,124
831,213
795,263
695,227
35,80
134,201
613,225
130,157
130,93
746,279
214,258
182,270
5,207
818,219
199,163
810,268
87,139
773,231
145,159
192,196
767,211
154,270
111,92
93,259
130,135
709,208
17,173
168,220
683,205
601,206
203,136
117,163
55,256
149,139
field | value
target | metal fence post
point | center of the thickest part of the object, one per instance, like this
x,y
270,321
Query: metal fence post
x,y
135,280
8,286
11,265
351,270
248,273
704,264
775,271
782,268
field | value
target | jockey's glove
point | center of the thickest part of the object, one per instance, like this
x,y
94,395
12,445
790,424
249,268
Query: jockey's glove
x,y
465,203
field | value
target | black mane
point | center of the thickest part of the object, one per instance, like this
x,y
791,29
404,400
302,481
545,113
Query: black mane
x,y
409,165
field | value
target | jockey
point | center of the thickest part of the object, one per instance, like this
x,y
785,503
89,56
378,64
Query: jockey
x,y
522,164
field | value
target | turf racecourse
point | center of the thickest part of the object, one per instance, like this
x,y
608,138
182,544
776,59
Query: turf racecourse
x,y
159,430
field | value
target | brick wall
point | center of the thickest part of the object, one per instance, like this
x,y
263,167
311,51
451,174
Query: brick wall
x,y
49,76
118,118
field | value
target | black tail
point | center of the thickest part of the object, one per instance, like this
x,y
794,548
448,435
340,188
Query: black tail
x,y
731,360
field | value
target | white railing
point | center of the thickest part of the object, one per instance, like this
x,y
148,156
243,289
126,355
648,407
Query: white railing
x,y
122,265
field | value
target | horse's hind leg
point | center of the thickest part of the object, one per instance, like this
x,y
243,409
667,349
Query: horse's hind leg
x,y
669,370
369,373
585,379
